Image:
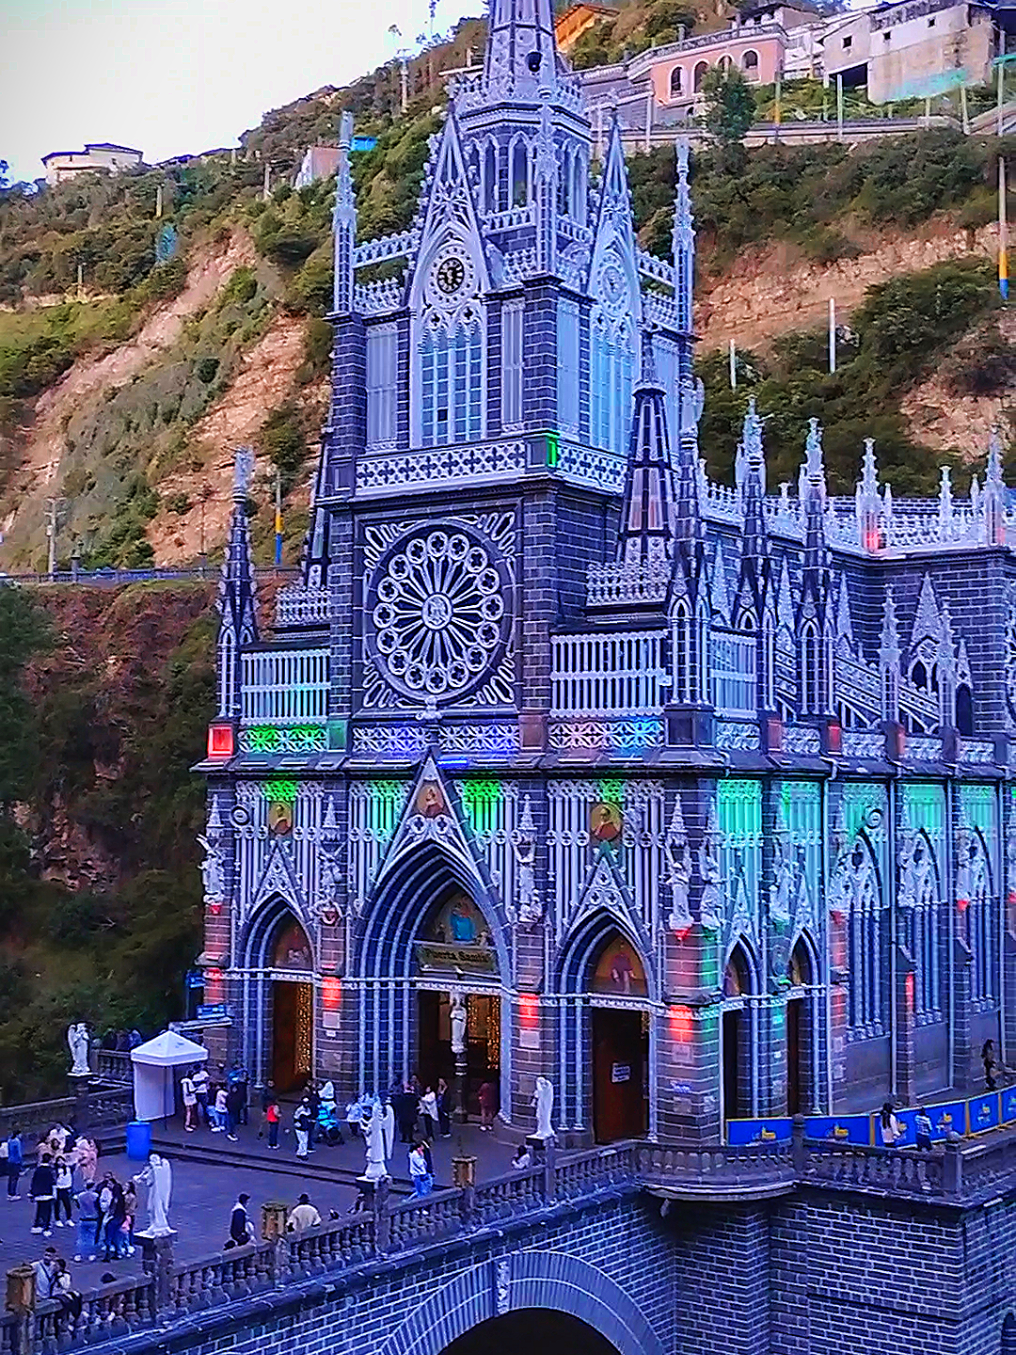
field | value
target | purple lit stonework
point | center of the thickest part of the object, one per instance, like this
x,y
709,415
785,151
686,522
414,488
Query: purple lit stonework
x,y
697,794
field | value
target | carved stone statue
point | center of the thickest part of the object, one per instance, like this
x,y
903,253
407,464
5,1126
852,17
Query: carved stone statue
x,y
388,1129
543,1100
524,846
331,878
157,1178
782,889
711,906
457,1018
212,871
374,1137
77,1042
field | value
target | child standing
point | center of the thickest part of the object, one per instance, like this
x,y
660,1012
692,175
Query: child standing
x,y
922,1125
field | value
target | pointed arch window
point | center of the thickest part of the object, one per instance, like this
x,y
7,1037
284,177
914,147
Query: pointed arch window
x,y
490,177
859,887
512,315
451,381
519,175
981,924
769,661
684,674
924,935
227,672
382,385
810,684
611,377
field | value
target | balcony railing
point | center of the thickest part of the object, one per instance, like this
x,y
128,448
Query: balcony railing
x,y
607,675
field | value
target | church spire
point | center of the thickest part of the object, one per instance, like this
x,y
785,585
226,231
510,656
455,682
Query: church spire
x,y
683,241
344,222
521,58
889,660
238,625
753,488
647,509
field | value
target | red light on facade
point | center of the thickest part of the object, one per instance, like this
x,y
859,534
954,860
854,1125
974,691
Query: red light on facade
x,y
221,743
331,993
213,976
963,904
872,541
529,1010
910,992
834,737
681,1024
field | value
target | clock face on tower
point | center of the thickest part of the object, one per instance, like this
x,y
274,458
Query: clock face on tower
x,y
439,609
451,278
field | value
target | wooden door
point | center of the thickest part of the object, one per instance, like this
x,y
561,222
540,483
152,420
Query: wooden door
x,y
795,1090
292,1034
432,1062
619,1072
731,1066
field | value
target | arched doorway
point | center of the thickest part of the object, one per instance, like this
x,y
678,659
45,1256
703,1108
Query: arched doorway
x,y
736,1036
531,1328
620,1041
456,948
292,999
799,1035
428,932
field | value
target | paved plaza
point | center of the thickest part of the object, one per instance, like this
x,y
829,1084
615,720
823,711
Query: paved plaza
x,y
204,1190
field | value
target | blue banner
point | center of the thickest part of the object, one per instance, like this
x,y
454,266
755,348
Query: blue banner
x,y
1009,1105
839,1128
740,1133
984,1113
950,1118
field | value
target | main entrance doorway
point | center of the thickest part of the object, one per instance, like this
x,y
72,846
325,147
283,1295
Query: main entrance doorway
x,y
483,1043
734,1039
798,1034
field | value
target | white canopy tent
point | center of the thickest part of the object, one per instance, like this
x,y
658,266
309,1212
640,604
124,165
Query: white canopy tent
x,y
154,1062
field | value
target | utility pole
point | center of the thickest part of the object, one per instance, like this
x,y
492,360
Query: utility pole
x,y
52,507
1003,232
733,366
964,111
649,120
839,105
832,334
158,202
776,108
278,517
81,281
204,495
267,185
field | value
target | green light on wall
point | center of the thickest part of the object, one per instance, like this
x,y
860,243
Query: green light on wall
x,y
612,792
479,794
553,450
280,792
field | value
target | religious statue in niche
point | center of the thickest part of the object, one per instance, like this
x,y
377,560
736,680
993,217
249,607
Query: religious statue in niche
x,y
430,802
330,875
292,949
524,847
781,892
619,971
711,903
280,817
678,872
605,822
212,872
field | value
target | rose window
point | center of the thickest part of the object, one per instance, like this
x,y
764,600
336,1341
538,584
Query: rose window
x,y
437,604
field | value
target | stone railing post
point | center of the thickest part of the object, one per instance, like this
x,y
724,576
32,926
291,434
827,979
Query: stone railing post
x,y
382,1218
162,1275
952,1168
550,1170
798,1152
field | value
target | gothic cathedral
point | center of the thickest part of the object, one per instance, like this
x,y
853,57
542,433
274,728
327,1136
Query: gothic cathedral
x,y
695,795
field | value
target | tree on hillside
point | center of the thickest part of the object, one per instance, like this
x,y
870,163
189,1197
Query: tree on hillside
x,y
730,111
24,631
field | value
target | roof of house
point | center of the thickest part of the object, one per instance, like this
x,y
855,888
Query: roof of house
x,y
92,146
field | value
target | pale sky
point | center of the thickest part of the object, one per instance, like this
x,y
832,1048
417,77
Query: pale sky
x,y
172,77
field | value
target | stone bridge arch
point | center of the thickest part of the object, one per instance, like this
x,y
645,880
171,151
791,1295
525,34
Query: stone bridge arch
x,y
531,1279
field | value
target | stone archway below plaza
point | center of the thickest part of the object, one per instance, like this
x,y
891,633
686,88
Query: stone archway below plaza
x,y
531,1329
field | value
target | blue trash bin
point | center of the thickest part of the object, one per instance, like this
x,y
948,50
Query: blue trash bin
x,y
139,1140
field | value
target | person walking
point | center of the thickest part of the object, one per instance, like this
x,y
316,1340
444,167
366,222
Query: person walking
x,y
487,1097
444,1108
890,1129
63,1180
42,1190
130,1214
423,1181
234,1109
221,1111
15,1162
241,1230
406,1105
88,1222
190,1103
273,1117
200,1079
922,1126
267,1099
302,1216
988,1059
429,1111
112,1211
313,1099
302,1120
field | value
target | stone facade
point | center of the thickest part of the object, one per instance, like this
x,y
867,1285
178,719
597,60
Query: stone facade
x,y
696,792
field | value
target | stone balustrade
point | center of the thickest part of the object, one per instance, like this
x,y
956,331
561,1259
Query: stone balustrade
x,y
961,1175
